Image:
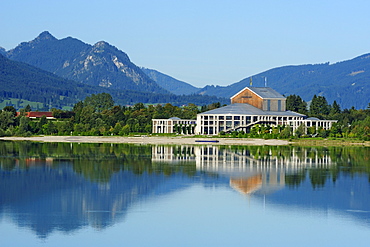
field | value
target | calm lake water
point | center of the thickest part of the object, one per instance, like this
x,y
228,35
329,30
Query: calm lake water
x,y
61,194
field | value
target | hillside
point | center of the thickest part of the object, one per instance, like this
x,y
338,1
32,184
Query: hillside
x,y
2,51
23,81
169,83
99,65
347,82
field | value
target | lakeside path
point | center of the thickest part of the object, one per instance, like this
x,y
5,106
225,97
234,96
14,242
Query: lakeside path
x,y
149,140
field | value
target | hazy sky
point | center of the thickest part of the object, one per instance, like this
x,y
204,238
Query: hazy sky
x,y
201,41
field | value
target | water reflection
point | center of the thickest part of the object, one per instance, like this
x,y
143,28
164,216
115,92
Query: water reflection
x,y
66,187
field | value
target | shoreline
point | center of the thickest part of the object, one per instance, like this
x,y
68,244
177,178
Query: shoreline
x,y
185,140
150,140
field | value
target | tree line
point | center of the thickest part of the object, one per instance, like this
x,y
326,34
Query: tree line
x,y
98,115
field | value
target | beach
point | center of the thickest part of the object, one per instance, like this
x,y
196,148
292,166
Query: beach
x,y
153,140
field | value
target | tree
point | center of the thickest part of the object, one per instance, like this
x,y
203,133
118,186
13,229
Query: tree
x,y
41,123
300,131
27,108
6,119
335,109
14,111
23,126
286,132
296,104
319,106
99,102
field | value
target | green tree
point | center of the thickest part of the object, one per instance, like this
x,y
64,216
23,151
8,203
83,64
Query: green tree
x,y
6,119
300,131
296,104
286,132
27,108
335,109
10,109
99,102
319,106
23,128
50,128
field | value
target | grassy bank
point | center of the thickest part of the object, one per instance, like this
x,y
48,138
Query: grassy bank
x,y
329,142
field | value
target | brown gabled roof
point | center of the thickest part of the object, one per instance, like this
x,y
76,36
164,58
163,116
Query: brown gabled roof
x,y
38,114
262,92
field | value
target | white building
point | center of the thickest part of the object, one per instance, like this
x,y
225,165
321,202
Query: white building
x,y
173,125
251,106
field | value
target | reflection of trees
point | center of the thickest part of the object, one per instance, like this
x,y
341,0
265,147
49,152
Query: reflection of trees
x,y
318,177
7,164
351,160
294,180
95,161
98,162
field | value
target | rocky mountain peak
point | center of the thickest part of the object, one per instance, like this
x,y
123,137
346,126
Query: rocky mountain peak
x,y
2,51
45,36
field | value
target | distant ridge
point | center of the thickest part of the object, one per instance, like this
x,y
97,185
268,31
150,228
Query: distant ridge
x,y
169,83
2,51
23,81
347,82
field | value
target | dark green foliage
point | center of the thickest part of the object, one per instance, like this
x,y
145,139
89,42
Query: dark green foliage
x,y
100,102
10,109
296,104
319,107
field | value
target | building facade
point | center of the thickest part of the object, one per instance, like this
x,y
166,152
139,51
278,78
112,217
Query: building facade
x,y
251,106
174,125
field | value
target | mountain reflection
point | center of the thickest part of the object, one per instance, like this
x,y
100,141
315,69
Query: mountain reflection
x,y
65,187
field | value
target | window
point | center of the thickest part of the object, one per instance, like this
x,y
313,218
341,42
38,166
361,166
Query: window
x,y
279,105
236,117
221,118
268,105
229,118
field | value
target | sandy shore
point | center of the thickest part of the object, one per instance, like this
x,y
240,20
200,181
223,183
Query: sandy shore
x,y
148,140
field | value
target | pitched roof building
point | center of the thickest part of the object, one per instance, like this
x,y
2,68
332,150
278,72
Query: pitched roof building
x,y
38,114
251,106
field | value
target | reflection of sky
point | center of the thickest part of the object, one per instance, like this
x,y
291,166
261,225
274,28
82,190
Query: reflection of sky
x,y
64,209
200,216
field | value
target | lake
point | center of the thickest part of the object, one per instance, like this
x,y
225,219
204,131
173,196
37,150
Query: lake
x,y
71,194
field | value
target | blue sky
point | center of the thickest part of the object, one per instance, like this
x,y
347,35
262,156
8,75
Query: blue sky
x,y
202,42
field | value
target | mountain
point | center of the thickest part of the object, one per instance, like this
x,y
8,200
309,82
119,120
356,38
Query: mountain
x,y
169,83
23,81
99,65
2,51
347,82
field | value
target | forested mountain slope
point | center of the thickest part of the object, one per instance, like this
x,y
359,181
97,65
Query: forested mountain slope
x,y
23,81
169,83
347,82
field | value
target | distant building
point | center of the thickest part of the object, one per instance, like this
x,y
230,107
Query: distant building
x,y
251,106
38,114
173,125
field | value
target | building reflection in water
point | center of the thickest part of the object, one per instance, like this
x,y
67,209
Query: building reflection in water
x,y
173,153
48,193
247,173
